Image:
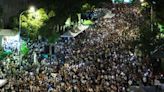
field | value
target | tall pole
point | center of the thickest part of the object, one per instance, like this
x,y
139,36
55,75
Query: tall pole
x,y
32,9
19,35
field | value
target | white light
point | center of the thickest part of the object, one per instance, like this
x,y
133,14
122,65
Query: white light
x,y
141,1
32,9
127,1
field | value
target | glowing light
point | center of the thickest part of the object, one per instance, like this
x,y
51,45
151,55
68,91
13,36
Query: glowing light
x,y
141,1
32,9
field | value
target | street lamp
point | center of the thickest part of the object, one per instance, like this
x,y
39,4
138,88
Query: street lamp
x,y
141,1
30,10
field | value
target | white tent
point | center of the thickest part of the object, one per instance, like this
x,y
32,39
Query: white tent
x,y
70,34
122,1
2,82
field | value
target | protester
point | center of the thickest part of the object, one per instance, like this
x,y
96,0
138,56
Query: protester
x,y
101,59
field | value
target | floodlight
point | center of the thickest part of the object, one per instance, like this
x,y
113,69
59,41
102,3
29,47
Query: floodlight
x,y
32,9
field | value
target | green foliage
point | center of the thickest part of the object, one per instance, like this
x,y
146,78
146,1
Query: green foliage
x,y
67,8
73,22
51,13
85,7
68,22
32,22
3,54
149,39
88,22
161,27
158,9
54,37
47,29
145,5
1,49
49,32
24,49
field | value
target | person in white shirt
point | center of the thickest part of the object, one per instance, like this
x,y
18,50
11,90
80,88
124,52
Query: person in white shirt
x,y
2,82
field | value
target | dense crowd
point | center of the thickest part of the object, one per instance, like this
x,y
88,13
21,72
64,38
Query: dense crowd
x,y
101,59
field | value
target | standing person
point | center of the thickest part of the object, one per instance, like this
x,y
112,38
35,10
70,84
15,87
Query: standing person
x,y
157,84
35,57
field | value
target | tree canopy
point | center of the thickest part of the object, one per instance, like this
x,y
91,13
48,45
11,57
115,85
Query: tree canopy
x,y
24,49
32,22
150,39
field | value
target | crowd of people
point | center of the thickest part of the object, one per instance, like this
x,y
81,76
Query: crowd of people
x,y
10,43
101,59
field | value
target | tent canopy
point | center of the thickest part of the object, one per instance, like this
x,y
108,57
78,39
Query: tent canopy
x,y
158,53
71,34
122,1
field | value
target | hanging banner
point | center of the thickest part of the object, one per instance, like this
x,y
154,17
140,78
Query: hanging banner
x,y
10,43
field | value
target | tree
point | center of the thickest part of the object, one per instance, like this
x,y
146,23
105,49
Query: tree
x,y
32,22
85,7
158,9
149,39
67,8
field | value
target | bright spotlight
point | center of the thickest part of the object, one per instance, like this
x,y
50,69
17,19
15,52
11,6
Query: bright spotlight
x,y
141,1
32,9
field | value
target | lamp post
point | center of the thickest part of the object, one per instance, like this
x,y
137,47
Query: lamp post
x,y
31,9
151,13
141,1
